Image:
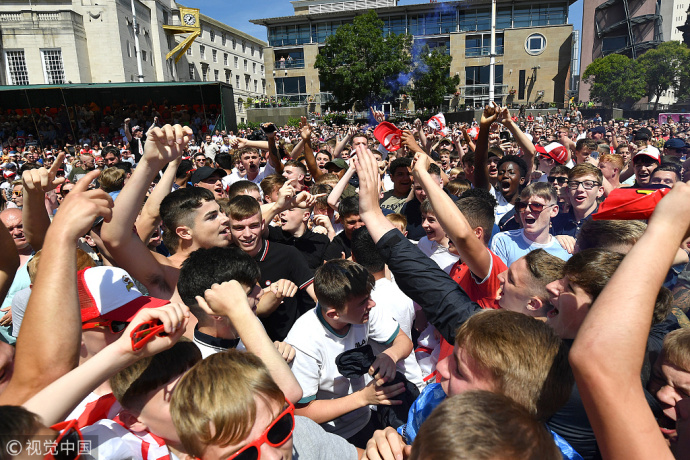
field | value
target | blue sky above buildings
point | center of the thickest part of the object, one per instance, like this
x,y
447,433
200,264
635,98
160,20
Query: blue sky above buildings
x,y
238,12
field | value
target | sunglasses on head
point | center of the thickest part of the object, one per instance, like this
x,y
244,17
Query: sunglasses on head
x,y
275,435
534,207
115,327
560,180
67,444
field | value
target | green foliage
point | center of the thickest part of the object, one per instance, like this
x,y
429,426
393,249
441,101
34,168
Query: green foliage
x,y
293,122
665,68
249,125
615,80
356,62
334,119
432,80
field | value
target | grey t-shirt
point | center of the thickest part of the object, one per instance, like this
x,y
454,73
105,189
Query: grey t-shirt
x,y
311,442
19,303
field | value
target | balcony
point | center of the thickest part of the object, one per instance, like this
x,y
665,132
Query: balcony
x,y
482,51
290,64
478,91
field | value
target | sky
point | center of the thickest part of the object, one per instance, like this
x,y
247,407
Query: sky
x,y
237,13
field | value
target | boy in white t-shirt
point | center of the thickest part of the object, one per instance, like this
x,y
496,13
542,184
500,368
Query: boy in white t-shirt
x,y
344,319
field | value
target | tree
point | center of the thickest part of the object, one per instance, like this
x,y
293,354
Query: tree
x,y
615,79
663,68
432,80
358,64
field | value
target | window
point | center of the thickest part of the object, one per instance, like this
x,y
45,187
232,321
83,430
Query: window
x,y
244,47
237,81
262,69
291,85
234,43
223,39
189,51
254,67
252,50
225,58
245,65
16,67
535,44
129,50
613,44
212,34
256,86
239,104
143,56
521,84
191,71
479,75
202,51
227,77
204,70
480,45
247,80
215,55
215,75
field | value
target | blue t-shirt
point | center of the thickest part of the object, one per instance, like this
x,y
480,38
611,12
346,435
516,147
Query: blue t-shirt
x,y
513,244
433,395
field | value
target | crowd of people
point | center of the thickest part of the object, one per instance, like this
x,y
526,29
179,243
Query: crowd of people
x,y
512,288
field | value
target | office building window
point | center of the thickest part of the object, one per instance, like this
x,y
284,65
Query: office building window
x,y
254,67
215,55
16,67
53,70
225,58
202,51
291,85
256,86
212,34
204,71
237,81
223,39
237,62
227,77
191,71
216,74
245,65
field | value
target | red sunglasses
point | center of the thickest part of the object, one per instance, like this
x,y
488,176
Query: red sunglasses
x,y
115,326
68,444
145,332
275,435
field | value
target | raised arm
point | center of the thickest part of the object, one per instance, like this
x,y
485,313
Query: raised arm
x,y
334,196
481,152
9,262
36,183
420,278
53,312
472,251
609,349
337,152
305,133
162,145
229,299
528,150
150,216
273,158
128,130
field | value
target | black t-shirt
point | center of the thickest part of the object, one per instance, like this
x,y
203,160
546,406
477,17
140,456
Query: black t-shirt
x,y
279,261
313,246
340,243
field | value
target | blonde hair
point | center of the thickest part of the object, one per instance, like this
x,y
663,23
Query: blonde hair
x,y
399,220
481,425
676,349
112,179
215,402
528,362
613,158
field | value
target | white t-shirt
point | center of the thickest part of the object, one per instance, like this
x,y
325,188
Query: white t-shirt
x,y
439,254
234,176
108,440
317,346
392,301
512,245
503,206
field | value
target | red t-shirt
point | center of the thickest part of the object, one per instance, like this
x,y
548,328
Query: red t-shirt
x,y
484,293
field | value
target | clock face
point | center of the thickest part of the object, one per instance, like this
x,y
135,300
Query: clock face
x,y
189,19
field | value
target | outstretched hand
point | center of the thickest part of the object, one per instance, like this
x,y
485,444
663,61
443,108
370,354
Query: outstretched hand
x,y
490,114
368,171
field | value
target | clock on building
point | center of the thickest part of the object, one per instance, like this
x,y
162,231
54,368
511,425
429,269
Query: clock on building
x,y
189,19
